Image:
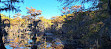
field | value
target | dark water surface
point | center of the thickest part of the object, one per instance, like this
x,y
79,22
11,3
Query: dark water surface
x,y
24,41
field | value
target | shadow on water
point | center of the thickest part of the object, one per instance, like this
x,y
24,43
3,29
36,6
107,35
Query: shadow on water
x,y
34,33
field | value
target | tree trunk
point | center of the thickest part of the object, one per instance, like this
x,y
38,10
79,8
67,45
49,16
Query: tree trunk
x,y
109,22
1,42
109,7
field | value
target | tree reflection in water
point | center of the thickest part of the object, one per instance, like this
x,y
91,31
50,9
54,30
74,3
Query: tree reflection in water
x,y
24,40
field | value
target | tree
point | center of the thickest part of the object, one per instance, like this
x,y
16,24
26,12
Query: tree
x,y
33,26
7,6
33,12
10,5
100,15
68,10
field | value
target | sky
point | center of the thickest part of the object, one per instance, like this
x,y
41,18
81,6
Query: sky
x,y
49,8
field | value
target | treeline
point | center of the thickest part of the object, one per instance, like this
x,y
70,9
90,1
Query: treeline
x,y
76,30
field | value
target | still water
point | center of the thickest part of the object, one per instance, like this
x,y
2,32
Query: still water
x,y
26,41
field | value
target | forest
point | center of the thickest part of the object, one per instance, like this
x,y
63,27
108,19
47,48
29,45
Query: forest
x,y
76,28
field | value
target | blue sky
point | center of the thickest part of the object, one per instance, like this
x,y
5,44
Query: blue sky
x,y
49,8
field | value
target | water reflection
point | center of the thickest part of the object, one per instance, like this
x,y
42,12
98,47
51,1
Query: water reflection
x,y
17,40
23,40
